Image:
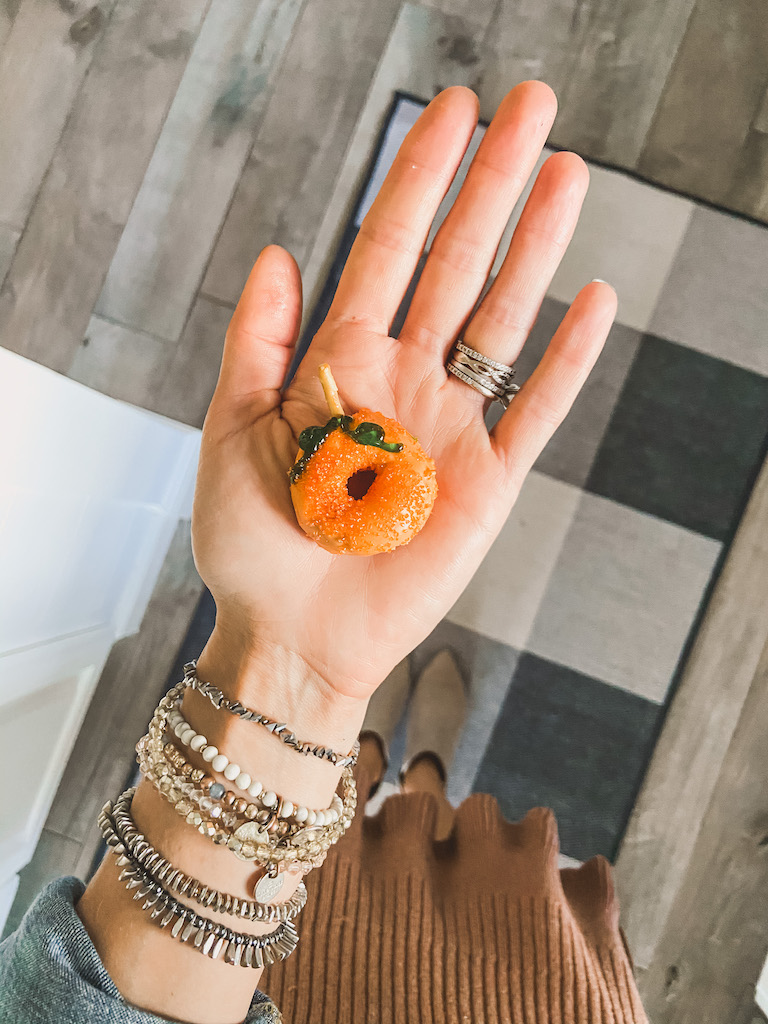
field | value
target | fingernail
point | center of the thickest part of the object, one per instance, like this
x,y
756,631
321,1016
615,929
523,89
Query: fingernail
x,y
599,280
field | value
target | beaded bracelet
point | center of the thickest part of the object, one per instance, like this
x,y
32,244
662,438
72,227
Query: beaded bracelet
x,y
279,729
268,818
116,819
225,807
264,841
209,937
250,840
220,763
279,811
268,800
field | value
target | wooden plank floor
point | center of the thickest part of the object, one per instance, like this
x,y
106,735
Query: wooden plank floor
x,y
88,188
693,760
151,149
714,943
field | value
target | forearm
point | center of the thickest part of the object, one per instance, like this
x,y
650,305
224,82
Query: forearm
x,y
150,969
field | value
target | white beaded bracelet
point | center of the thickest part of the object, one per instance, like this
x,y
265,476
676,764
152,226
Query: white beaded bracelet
x,y
243,781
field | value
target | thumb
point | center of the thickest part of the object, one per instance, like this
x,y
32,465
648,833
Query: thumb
x,y
261,336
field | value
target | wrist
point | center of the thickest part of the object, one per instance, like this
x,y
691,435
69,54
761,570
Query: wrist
x,y
280,684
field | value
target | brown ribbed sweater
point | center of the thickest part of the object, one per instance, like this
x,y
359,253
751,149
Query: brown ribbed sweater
x,y
480,927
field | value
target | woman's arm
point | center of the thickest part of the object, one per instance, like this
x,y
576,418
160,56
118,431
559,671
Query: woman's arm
x,y
150,969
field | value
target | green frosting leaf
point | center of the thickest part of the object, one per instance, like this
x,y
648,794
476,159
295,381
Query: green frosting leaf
x,y
372,434
312,438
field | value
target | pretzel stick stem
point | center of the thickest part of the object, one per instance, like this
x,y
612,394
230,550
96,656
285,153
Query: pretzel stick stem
x,y
330,390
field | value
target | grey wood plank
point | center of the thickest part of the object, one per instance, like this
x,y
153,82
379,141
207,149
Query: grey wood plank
x,y
173,380
119,362
622,59
749,192
474,10
657,852
94,175
529,39
713,948
130,685
317,97
44,60
185,388
749,189
8,11
419,58
196,165
760,120
716,86
9,238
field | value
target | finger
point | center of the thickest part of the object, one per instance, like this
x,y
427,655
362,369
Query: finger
x,y
464,248
507,313
544,400
262,334
393,233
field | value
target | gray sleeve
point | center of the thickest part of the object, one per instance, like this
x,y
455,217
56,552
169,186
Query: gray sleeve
x,y
50,972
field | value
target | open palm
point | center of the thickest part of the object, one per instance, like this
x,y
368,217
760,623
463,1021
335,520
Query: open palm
x,y
352,618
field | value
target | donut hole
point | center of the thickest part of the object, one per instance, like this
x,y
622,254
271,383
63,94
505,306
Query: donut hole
x,y
360,483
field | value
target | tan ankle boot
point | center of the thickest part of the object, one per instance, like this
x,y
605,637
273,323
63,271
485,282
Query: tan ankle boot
x,y
436,714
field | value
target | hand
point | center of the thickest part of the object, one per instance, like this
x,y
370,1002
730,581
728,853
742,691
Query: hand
x,y
350,619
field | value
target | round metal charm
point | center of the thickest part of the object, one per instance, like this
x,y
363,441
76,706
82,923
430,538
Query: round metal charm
x,y
252,831
267,888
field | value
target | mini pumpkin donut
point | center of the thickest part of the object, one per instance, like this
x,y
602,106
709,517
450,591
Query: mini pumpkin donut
x,y
362,484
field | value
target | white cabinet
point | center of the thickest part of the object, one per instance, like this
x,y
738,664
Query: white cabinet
x,y
91,490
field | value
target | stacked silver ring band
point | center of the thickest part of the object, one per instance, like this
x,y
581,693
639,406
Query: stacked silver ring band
x,y
492,379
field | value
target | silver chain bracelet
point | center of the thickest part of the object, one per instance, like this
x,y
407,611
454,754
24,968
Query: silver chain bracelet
x,y
279,729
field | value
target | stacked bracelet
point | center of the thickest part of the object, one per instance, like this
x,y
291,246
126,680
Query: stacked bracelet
x,y
286,818
252,834
135,846
209,937
279,729
278,815
266,828
263,841
220,763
